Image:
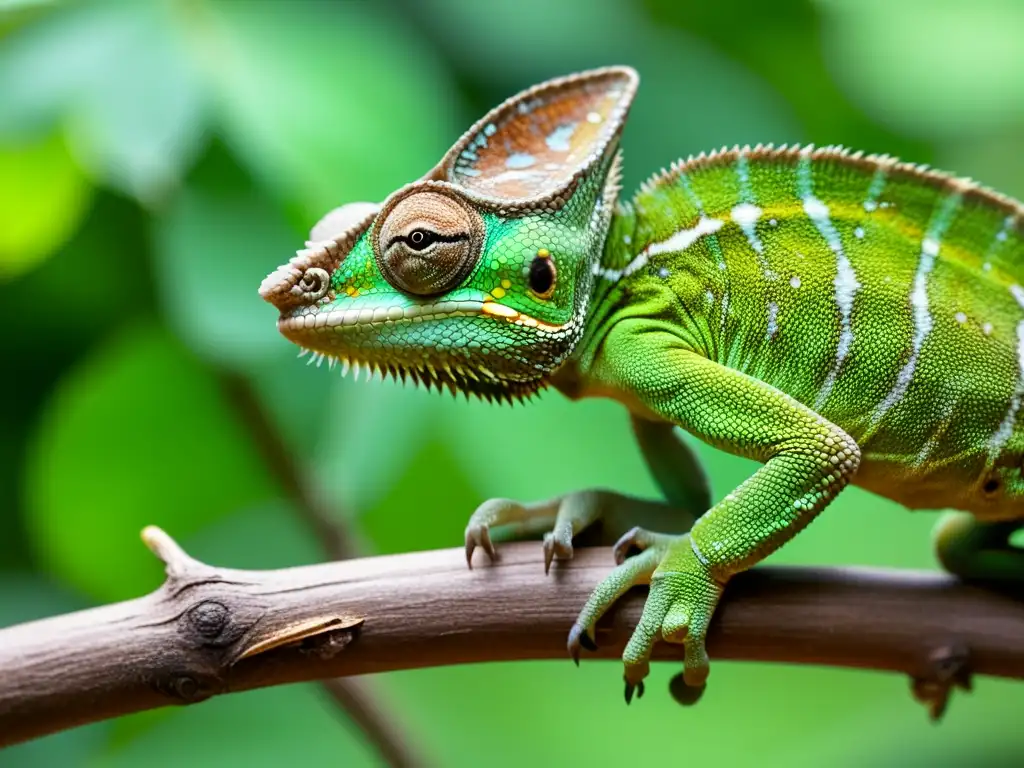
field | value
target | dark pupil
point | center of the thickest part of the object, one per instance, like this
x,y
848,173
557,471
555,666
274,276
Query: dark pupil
x,y
542,275
420,239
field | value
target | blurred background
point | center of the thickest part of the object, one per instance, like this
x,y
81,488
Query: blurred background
x,y
157,159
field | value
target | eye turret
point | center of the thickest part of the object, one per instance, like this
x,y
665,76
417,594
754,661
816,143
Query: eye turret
x,y
428,242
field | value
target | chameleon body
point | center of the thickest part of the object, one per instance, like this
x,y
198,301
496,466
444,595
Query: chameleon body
x,y
840,318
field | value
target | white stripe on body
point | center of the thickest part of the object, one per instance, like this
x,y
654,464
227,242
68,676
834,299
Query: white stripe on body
x,y
747,213
846,284
923,322
713,244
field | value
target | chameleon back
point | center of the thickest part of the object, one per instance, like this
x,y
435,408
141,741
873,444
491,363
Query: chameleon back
x,y
883,295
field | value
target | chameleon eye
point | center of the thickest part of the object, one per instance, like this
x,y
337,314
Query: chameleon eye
x,y
427,242
541,276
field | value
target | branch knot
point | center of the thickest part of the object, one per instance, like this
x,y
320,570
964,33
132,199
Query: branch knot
x,y
208,619
187,687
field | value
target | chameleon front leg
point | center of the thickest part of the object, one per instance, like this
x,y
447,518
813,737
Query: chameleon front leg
x,y
674,467
807,461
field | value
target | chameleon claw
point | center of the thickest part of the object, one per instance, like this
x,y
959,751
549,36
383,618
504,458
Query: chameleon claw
x,y
479,536
555,545
549,552
631,687
579,638
625,544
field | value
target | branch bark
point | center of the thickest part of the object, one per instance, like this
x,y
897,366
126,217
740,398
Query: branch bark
x,y
358,700
208,631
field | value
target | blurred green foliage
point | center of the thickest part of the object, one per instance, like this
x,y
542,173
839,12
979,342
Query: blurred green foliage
x,y
158,158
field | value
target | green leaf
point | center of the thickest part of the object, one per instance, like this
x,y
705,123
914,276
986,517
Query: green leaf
x,y
937,70
375,429
212,247
545,448
327,103
16,5
781,43
43,197
137,434
692,98
260,728
427,505
240,540
117,73
100,277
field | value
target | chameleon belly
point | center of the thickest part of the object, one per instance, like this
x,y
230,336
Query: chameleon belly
x,y
885,296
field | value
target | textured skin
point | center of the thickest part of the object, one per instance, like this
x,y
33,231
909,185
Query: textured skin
x,y
838,318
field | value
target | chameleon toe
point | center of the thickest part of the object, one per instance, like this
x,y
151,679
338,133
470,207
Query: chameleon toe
x,y
557,544
579,638
637,540
479,536
637,687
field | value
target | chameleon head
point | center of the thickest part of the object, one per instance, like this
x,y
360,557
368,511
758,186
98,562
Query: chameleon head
x,y
477,276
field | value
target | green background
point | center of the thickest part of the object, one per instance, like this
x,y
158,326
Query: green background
x,y
157,159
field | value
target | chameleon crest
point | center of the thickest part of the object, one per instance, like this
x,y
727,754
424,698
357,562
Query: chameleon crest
x,y
840,318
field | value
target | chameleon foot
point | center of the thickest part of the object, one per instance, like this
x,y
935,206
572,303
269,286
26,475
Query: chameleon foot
x,y
558,520
510,519
679,608
634,571
949,669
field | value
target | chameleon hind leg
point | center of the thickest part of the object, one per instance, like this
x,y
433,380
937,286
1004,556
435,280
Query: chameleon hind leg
x,y
806,460
979,551
674,467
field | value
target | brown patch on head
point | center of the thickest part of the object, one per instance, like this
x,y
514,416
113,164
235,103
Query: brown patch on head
x,y
538,142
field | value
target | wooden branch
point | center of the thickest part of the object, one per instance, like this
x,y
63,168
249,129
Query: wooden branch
x,y
208,631
359,701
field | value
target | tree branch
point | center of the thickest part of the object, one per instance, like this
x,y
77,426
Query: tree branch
x,y
359,701
208,631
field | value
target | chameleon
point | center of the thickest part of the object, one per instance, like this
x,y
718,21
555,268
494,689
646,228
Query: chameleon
x,y
838,317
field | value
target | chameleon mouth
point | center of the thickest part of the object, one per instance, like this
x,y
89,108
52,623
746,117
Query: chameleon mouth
x,y
312,319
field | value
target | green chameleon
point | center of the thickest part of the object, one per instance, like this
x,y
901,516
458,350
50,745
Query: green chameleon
x,y
838,317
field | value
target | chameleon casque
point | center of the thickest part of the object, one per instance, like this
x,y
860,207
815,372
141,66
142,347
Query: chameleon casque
x,y
838,317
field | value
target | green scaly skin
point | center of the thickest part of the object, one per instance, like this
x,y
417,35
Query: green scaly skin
x,y
839,318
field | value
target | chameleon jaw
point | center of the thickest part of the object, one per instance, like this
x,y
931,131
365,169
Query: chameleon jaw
x,y
322,332
295,324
